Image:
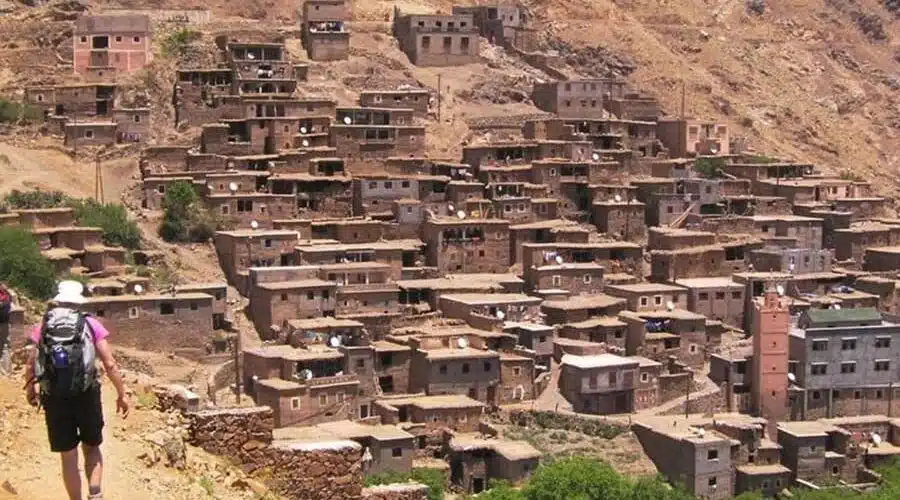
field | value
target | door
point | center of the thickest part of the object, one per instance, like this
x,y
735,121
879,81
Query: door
x,y
492,395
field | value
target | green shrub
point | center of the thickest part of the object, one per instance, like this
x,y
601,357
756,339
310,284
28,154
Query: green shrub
x,y
709,167
22,266
760,159
12,112
433,478
25,200
177,43
183,218
118,229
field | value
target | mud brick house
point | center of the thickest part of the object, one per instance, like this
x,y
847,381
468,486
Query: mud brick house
x,y
536,338
452,411
851,243
414,99
475,461
437,40
350,230
691,137
572,278
240,209
660,334
632,106
623,219
456,370
881,259
467,245
391,447
805,231
426,293
504,25
241,249
272,303
88,101
606,384
716,298
649,296
510,153
763,171
326,34
373,193
544,231
198,92
488,311
305,332
359,143
699,459
157,322
90,133
105,46
395,253
581,308
694,262
797,260
844,360
577,98
614,256
316,196
260,68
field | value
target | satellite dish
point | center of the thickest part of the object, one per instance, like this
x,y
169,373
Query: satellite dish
x,y
701,432
347,120
461,214
792,378
334,342
670,306
559,259
836,307
791,268
462,342
305,374
305,143
618,198
251,56
254,224
595,156
232,187
138,289
876,438
302,130
687,198
500,314
779,289
451,208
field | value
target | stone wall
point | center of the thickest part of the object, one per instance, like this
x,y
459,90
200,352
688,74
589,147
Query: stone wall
x,y
411,491
596,426
317,471
709,403
240,434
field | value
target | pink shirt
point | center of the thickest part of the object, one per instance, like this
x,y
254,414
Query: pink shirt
x,y
100,332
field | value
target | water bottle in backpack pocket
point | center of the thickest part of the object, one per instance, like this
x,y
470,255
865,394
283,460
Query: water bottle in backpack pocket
x,y
64,364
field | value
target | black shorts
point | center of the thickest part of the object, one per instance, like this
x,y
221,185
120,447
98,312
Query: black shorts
x,y
74,420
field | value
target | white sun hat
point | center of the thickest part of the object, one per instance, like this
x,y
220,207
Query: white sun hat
x,y
70,292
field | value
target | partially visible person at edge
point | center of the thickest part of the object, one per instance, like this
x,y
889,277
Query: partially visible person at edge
x,y
63,379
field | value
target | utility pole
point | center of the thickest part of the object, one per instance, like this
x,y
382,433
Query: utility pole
x,y
98,180
75,136
439,98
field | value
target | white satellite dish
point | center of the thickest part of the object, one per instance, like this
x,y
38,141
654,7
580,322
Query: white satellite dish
x,y
595,156
138,289
451,208
254,224
306,374
779,289
232,187
500,314
792,378
701,432
836,307
559,259
462,342
687,198
347,120
617,198
305,143
461,214
791,268
334,342
302,130
251,56
670,306
876,438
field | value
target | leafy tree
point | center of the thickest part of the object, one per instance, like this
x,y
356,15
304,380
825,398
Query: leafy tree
x,y
576,478
118,229
177,43
183,218
16,199
709,167
22,266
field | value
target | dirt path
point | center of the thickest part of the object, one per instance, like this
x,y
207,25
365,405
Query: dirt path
x,y
28,470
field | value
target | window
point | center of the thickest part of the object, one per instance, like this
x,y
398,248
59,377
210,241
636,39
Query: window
x,y
765,484
818,368
284,297
692,348
720,295
161,189
88,134
464,44
712,455
487,366
703,296
193,306
736,295
397,452
657,300
426,42
882,365
712,482
556,280
443,369
166,308
267,243
465,368
848,367
404,184
669,210
882,342
100,313
552,173
448,43
360,363
323,399
816,395
567,103
644,301
137,118
310,295
848,344
645,377
340,397
388,185
517,371
295,403
612,378
84,39
820,345
373,185
587,279
137,39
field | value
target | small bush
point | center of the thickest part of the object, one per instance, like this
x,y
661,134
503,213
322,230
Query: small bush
x,y
22,266
25,200
13,112
118,229
183,218
760,159
709,167
177,43
432,478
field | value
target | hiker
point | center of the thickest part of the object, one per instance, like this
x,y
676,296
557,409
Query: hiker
x,y
63,368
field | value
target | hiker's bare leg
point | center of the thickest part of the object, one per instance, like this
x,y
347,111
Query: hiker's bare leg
x,y
71,475
93,467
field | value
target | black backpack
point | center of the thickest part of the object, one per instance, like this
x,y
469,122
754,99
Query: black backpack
x,y
65,361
